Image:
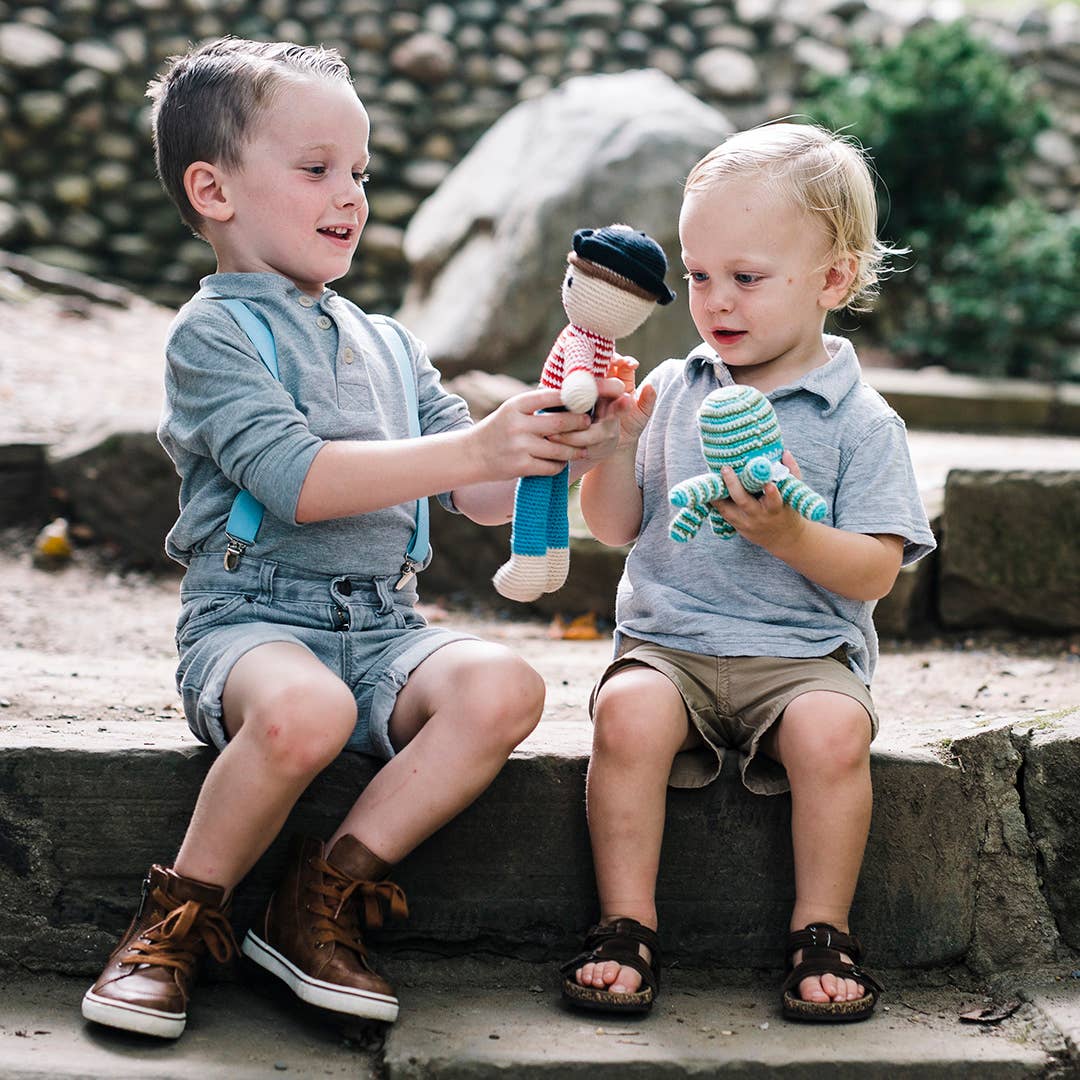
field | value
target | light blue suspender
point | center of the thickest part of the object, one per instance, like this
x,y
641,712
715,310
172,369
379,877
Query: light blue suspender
x,y
247,512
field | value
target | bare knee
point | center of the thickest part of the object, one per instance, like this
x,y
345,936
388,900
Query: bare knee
x,y
302,725
638,713
502,696
826,734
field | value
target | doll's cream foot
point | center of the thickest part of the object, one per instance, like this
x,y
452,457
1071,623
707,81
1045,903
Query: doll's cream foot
x,y
523,578
579,391
558,568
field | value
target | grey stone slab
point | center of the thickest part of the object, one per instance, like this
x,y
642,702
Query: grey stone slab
x,y
1008,556
701,1026
468,1018
513,873
1051,780
950,402
231,1031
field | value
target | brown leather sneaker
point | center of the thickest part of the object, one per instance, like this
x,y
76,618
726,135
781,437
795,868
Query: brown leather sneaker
x,y
146,983
309,935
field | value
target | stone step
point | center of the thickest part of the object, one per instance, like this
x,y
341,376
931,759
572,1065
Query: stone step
x,y
471,1019
971,857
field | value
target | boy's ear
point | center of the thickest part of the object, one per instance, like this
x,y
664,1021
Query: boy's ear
x,y
838,279
204,186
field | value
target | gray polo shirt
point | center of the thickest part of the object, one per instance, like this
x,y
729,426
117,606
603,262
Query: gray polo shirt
x,y
731,597
227,423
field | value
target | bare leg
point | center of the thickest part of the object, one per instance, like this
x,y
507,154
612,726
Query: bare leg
x,y
288,716
823,741
640,724
456,721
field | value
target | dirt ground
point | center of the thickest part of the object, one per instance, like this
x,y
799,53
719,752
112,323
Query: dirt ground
x,y
85,646
85,650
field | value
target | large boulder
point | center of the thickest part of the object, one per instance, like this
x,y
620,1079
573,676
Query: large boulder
x,y
488,248
1008,556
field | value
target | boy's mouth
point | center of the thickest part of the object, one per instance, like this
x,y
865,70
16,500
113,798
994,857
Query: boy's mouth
x,y
337,232
728,336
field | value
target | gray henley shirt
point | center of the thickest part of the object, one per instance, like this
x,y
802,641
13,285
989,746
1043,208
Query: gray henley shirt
x,y
228,424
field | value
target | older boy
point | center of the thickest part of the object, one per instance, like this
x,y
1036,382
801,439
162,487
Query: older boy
x,y
308,641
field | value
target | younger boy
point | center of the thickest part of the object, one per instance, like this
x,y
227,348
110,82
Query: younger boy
x,y
308,642
762,643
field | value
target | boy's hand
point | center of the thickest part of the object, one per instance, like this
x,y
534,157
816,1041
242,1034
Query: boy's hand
x,y
762,519
519,440
601,439
632,409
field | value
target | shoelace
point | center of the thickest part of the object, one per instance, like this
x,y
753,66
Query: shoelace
x,y
338,921
173,942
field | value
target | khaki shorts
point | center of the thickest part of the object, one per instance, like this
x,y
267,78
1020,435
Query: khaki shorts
x,y
732,701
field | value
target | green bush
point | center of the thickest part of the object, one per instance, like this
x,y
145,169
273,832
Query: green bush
x,y
999,296
949,125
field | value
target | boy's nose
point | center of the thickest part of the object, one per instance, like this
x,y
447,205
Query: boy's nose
x,y
719,300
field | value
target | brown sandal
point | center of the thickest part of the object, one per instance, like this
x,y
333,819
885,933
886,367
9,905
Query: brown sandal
x,y
822,945
618,941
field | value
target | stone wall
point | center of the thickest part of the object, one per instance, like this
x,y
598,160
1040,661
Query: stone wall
x,y
76,173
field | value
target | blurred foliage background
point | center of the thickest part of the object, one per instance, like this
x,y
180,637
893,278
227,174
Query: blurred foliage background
x,y
992,275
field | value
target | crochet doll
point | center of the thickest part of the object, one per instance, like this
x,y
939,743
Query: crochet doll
x,y
614,279
738,428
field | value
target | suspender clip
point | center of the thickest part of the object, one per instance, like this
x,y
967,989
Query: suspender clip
x,y
408,572
234,552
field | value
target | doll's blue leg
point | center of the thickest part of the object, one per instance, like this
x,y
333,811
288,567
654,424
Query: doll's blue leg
x,y
686,523
558,532
524,576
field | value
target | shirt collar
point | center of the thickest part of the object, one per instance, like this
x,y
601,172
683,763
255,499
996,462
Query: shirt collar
x,y
253,286
831,382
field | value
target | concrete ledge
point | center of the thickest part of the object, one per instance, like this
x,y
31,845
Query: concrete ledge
x,y
513,873
938,399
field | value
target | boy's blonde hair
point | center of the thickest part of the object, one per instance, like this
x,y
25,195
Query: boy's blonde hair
x,y
825,175
207,102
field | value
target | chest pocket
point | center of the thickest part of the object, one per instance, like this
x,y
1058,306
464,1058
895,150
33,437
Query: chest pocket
x,y
820,465
354,390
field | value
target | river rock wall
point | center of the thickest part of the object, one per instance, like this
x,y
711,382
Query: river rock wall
x,y
77,185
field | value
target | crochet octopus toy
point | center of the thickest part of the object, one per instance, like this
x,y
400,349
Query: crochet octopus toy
x,y
614,280
738,427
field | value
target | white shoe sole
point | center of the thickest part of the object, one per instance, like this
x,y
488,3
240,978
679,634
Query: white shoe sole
x,y
130,1017
325,995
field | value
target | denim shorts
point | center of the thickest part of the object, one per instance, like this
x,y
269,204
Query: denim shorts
x,y
732,701
367,634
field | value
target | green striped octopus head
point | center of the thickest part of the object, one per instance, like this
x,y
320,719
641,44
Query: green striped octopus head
x,y
738,423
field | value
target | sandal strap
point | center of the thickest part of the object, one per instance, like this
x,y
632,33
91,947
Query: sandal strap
x,y
619,941
823,936
825,965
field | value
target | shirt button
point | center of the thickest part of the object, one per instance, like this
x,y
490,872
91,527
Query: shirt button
x,y
306,301
347,356
323,322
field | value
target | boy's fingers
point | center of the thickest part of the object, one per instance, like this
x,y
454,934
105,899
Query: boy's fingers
x,y
610,387
646,399
788,459
531,401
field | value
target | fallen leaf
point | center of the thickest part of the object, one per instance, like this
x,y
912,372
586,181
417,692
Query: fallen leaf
x,y
992,1014
583,628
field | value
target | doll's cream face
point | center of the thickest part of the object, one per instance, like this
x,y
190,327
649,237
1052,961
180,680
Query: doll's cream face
x,y
599,306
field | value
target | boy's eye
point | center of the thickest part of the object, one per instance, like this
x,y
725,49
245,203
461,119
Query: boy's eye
x,y
361,177
746,279
315,170
696,276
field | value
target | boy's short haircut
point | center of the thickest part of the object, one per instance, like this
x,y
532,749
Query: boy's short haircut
x,y
207,102
826,175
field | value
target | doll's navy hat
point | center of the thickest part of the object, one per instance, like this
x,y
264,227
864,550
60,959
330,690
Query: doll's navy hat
x,y
630,254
